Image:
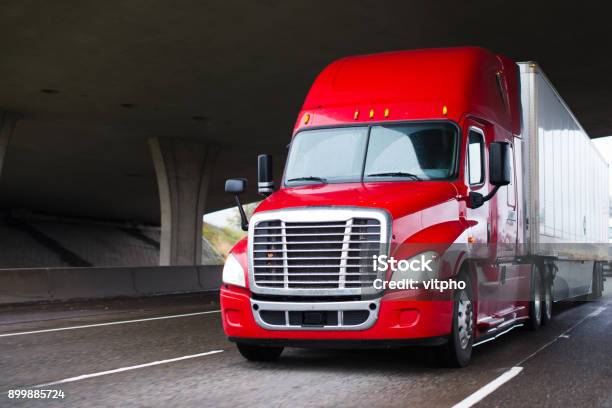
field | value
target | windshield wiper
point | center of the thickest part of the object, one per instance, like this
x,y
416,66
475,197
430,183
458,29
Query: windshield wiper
x,y
309,178
395,174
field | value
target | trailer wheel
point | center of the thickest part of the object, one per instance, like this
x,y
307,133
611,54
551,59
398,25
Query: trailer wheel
x,y
535,305
547,298
458,351
259,353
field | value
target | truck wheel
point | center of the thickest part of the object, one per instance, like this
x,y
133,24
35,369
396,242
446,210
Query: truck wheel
x,y
535,305
547,298
458,351
259,353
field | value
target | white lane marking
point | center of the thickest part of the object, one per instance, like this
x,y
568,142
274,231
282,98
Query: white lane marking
x,y
120,370
85,326
597,311
514,371
565,334
489,388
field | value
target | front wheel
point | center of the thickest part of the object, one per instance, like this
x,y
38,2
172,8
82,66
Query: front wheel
x,y
259,353
458,351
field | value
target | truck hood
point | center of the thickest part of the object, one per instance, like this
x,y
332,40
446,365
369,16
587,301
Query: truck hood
x,y
398,198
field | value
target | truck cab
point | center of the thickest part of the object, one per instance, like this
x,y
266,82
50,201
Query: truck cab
x,y
412,155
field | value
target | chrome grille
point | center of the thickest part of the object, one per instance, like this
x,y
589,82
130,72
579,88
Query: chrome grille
x,y
289,255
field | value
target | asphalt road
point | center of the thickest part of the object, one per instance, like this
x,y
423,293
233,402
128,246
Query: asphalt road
x,y
185,360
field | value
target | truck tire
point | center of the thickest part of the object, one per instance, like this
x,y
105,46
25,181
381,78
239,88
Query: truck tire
x,y
259,353
547,297
458,351
535,304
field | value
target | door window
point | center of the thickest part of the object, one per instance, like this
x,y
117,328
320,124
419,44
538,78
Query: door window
x,y
475,157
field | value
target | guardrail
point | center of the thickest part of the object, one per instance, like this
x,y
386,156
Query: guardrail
x,y
59,284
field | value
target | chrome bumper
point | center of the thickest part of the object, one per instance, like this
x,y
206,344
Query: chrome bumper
x,y
346,313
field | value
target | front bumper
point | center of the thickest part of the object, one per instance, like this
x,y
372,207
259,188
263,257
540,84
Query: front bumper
x,y
399,320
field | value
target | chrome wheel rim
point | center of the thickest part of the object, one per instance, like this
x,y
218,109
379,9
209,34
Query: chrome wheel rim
x,y
464,320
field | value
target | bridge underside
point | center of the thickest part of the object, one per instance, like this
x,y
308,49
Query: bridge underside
x,y
86,87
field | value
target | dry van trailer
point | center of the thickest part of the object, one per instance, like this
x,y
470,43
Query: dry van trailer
x,y
565,189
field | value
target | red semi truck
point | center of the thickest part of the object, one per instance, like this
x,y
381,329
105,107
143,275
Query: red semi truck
x,y
455,158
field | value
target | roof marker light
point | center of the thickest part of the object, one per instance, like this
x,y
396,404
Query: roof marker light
x,y
386,112
371,113
306,118
444,110
356,115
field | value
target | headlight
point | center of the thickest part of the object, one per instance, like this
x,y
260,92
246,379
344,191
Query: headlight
x,y
233,273
420,267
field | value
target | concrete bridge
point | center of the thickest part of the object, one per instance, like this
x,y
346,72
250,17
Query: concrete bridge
x,y
135,112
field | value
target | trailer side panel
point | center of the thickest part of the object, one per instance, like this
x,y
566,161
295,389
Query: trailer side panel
x,y
566,178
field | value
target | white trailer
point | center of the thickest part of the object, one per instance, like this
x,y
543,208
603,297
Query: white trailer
x,y
565,187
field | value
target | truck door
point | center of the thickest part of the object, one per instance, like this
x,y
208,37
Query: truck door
x,y
483,233
508,213
476,177
507,240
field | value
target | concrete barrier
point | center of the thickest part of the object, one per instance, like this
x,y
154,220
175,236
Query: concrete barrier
x,y
72,283
22,285
210,276
159,280
60,284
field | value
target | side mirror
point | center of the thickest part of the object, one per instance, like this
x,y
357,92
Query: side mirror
x,y
500,173
475,200
265,176
499,164
236,187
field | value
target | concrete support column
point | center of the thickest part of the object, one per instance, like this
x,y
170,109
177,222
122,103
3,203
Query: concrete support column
x,y
7,126
183,169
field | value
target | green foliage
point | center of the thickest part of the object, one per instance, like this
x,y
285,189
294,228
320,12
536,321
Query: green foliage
x,y
222,239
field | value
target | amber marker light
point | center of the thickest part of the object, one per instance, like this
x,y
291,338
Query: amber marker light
x,y
356,115
371,113
444,110
306,118
387,112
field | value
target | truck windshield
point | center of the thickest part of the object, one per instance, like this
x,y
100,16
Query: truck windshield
x,y
410,151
